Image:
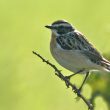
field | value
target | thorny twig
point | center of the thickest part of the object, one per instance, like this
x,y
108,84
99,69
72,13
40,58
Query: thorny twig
x,y
68,83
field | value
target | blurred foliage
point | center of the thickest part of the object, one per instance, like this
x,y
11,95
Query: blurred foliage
x,y
28,84
100,85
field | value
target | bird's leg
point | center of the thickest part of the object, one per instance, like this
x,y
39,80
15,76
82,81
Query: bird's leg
x,y
79,90
68,77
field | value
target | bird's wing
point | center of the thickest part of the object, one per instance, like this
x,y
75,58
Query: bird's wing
x,y
77,41
89,50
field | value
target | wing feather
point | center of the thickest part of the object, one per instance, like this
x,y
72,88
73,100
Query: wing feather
x,y
77,41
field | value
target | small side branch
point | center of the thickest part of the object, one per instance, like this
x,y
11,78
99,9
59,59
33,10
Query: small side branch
x,y
68,83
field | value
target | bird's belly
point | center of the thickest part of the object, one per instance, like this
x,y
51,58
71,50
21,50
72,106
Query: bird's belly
x,y
71,59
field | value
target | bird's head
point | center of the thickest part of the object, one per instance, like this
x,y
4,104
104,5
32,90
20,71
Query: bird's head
x,y
60,27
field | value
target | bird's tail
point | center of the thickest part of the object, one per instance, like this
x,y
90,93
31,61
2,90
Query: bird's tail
x,y
106,64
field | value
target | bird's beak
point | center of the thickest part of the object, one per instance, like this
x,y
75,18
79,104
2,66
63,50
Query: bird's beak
x,y
49,27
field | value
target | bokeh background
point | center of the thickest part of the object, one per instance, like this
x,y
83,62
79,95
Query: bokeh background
x,y
26,83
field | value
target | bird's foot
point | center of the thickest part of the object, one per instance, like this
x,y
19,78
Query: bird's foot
x,y
67,82
78,91
68,77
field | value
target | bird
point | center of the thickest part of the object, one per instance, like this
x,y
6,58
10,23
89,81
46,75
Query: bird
x,y
71,49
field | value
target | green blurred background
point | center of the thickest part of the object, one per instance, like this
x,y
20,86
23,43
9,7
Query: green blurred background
x,y
28,84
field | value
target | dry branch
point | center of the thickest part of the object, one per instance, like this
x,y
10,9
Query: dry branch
x,y
68,83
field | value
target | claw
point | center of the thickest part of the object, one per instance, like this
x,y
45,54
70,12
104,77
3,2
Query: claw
x,y
77,91
68,77
67,84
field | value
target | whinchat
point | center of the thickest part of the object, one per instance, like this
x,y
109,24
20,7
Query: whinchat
x,y
73,51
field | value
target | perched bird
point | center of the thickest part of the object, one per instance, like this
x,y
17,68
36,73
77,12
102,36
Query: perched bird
x,y
73,51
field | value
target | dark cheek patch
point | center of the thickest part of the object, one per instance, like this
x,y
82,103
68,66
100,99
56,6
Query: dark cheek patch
x,y
61,31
